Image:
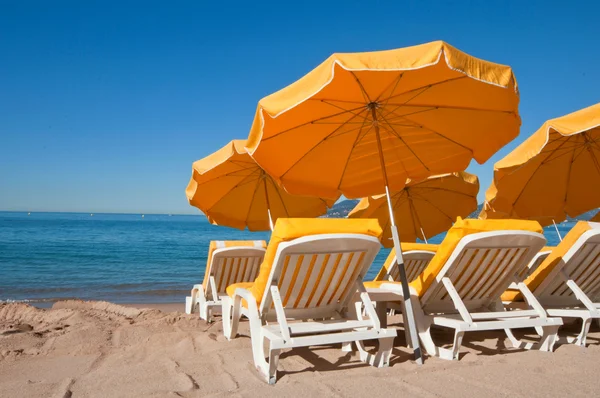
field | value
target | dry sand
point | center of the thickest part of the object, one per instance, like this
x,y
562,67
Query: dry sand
x,y
98,349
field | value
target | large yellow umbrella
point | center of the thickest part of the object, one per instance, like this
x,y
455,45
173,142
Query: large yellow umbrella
x,y
553,174
363,123
232,190
423,209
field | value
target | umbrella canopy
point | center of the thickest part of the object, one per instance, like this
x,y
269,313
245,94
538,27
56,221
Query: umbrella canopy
x,y
232,190
362,123
423,209
552,174
430,108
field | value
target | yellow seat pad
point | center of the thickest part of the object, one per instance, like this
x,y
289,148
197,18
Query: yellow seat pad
x,y
535,279
215,244
287,229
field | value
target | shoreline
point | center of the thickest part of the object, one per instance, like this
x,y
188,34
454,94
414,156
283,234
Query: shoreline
x,y
164,307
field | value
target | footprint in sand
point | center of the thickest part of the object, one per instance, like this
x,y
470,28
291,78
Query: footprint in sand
x,y
21,328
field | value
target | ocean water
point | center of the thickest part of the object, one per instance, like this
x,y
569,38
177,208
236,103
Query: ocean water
x,y
122,258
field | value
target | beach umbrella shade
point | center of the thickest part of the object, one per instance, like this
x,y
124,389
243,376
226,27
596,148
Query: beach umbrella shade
x,y
232,190
553,174
363,123
423,209
596,217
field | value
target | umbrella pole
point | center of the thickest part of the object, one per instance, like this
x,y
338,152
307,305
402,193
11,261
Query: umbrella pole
x,y
423,233
557,231
409,317
267,199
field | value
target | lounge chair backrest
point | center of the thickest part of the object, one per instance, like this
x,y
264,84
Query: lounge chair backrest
x,y
235,264
481,268
582,264
533,265
415,262
317,275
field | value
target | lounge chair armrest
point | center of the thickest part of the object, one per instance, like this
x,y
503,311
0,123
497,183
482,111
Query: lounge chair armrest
x,y
530,299
245,294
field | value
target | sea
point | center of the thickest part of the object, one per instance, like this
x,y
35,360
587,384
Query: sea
x,y
122,258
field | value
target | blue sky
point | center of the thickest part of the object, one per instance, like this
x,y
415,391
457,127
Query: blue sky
x,y
104,105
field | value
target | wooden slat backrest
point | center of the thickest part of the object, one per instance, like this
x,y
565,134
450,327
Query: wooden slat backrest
x,y
235,264
318,274
482,267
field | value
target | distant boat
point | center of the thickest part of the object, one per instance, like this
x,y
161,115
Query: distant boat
x,y
28,214
142,216
91,214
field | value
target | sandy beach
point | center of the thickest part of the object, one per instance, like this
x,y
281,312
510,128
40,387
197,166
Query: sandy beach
x,y
91,349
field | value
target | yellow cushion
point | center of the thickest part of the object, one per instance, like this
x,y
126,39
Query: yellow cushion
x,y
227,243
406,246
287,229
459,230
535,279
243,285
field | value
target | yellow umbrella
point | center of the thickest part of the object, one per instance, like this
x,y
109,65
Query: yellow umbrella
x,y
363,123
232,190
423,209
552,174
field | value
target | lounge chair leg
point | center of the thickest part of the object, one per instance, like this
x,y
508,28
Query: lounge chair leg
x,y
227,303
457,343
267,369
273,361
381,310
381,358
354,312
585,328
548,338
192,300
204,311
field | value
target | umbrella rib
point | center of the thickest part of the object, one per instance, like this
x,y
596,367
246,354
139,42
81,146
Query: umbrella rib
x,y
463,108
395,82
339,107
252,200
392,111
336,100
356,141
231,174
444,190
317,144
428,86
362,89
422,126
287,213
569,177
407,146
243,182
415,215
534,172
437,208
312,122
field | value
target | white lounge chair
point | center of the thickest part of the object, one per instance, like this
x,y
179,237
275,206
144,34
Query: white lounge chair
x,y
312,279
463,291
534,264
567,283
415,262
225,266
